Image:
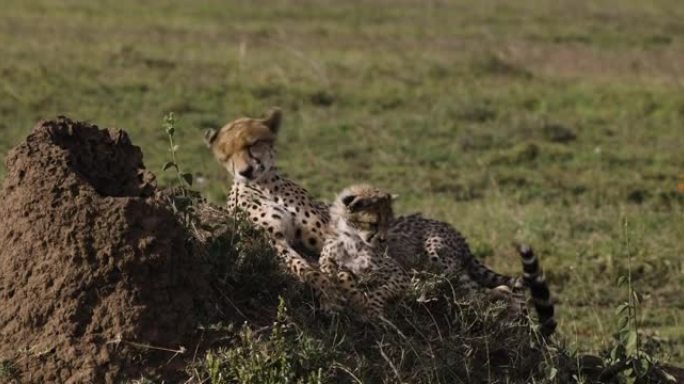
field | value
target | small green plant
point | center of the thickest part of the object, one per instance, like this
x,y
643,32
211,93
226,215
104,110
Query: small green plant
x,y
181,198
184,178
634,354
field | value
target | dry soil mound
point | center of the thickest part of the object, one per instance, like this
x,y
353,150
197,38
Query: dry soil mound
x,y
95,272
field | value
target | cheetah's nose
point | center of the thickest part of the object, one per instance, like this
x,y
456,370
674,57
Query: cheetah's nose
x,y
247,173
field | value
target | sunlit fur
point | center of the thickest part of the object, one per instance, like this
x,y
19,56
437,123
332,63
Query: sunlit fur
x,y
244,146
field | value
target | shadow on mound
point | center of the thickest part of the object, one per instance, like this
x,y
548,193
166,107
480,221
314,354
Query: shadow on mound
x,y
97,278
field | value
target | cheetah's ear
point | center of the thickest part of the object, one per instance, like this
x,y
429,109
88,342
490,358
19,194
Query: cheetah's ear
x,y
273,119
394,196
354,203
347,200
210,136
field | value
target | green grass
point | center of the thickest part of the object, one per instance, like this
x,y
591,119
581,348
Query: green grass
x,y
550,122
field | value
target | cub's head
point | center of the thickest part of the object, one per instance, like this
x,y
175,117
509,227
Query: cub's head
x,y
365,211
245,146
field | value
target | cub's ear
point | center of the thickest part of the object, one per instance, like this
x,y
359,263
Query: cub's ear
x,y
394,196
273,119
359,203
347,200
354,203
210,136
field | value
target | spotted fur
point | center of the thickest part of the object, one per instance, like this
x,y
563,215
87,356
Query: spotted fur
x,y
423,244
417,242
354,251
365,238
294,220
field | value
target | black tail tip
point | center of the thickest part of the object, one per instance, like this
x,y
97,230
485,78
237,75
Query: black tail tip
x,y
523,249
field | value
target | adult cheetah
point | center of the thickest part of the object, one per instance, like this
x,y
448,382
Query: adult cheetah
x,y
293,219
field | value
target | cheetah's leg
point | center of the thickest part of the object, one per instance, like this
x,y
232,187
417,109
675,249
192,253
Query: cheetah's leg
x,y
304,272
279,223
348,284
396,284
326,263
346,280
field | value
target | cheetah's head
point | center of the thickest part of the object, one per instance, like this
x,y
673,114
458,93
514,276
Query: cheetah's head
x,y
365,211
245,146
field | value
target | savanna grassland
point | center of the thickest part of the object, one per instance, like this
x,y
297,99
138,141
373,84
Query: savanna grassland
x,y
557,123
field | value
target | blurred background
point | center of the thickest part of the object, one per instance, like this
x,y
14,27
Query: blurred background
x,y
559,123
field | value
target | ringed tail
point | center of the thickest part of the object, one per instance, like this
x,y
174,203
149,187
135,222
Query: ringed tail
x,y
539,290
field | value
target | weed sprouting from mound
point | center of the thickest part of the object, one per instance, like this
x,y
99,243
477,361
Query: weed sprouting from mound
x,y
184,178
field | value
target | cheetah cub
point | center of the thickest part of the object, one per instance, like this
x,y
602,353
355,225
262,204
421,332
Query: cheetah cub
x,y
354,252
367,244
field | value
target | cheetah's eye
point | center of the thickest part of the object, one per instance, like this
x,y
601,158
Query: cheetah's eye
x,y
260,143
369,225
257,148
